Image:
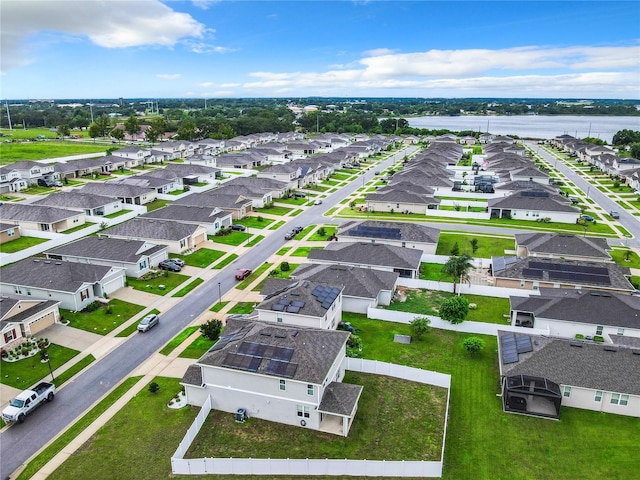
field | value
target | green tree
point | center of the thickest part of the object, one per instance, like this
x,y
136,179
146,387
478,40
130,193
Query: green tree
x,y
94,131
187,131
63,131
211,329
132,126
454,309
457,267
626,137
285,267
455,250
473,345
117,133
154,387
156,129
635,150
104,125
474,245
322,231
420,326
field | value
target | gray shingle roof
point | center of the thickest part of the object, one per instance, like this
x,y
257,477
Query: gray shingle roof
x,y
584,307
409,232
152,229
213,199
399,195
52,275
75,199
563,244
588,366
340,398
314,350
114,249
193,375
186,213
6,303
357,282
510,267
300,291
34,213
112,189
521,201
362,253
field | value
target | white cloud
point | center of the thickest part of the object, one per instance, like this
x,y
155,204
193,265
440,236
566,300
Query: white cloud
x,y
526,69
218,85
126,23
204,47
377,52
168,76
203,4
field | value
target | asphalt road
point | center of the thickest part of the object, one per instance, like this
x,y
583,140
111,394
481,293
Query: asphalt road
x,y
628,221
19,442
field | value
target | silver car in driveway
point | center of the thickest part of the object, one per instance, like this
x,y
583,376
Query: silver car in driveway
x,y
148,322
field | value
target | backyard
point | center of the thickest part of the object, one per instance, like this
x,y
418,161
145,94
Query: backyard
x,y
104,319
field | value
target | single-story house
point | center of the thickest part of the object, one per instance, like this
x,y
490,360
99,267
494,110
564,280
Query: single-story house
x,y
541,374
285,374
9,232
74,285
137,257
90,204
363,287
130,194
399,200
532,273
404,261
237,205
534,205
41,218
23,317
213,219
399,234
176,235
562,245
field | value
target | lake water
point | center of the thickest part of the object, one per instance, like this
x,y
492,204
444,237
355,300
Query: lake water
x,y
534,126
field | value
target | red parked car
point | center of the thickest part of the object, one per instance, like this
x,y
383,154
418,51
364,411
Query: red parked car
x,y
243,273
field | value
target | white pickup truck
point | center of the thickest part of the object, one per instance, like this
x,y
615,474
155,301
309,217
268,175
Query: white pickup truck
x,y
27,401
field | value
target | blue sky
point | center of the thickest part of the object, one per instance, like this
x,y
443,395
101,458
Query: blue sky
x,y
213,49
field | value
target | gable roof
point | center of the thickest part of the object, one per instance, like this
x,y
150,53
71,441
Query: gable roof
x,y
187,213
75,199
407,232
213,198
34,213
9,301
153,229
52,275
314,350
114,249
357,282
534,200
311,302
114,189
596,308
616,369
366,253
564,244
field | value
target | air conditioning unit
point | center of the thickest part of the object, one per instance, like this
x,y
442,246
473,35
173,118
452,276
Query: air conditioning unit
x,y
241,415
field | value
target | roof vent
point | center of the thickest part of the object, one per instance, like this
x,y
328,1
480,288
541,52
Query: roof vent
x,y
36,260
58,263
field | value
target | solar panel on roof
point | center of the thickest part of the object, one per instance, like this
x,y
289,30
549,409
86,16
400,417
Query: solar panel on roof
x,y
282,353
292,309
326,305
281,369
278,307
284,301
242,362
532,272
297,303
508,348
316,291
523,344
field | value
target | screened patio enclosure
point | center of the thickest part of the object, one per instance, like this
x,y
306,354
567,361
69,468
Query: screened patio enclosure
x,y
531,395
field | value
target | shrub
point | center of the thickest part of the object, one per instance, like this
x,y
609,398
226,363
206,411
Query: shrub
x,y
579,336
92,307
473,344
284,267
154,387
420,326
108,310
322,231
454,309
211,329
598,338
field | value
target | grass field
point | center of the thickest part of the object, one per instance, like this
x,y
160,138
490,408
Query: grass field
x,y
24,373
170,280
487,246
16,151
176,341
105,318
20,244
619,255
254,222
234,238
201,258
197,348
226,261
187,288
242,308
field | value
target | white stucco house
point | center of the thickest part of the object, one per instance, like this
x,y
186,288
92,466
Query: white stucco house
x,y
285,374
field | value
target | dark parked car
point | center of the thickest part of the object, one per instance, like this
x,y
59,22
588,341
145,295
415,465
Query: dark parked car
x,y
299,195
298,229
289,235
238,227
587,218
170,266
177,261
148,322
243,273
614,214
45,182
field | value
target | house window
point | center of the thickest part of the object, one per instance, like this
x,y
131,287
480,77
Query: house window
x,y
567,391
28,291
599,330
182,243
9,336
283,385
11,232
310,389
621,331
615,398
143,265
536,285
18,290
624,400
598,397
303,411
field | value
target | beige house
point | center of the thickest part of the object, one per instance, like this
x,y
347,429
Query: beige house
x,y
23,317
41,218
9,232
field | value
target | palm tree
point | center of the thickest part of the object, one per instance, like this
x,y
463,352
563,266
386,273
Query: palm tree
x,y
457,267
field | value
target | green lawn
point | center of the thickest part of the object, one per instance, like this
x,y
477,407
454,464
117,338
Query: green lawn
x,y
156,204
277,225
283,250
433,271
242,308
74,369
226,261
487,246
329,230
304,251
619,256
276,273
24,373
274,210
17,151
79,227
255,240
201,258
102,321
117,214
197,348
20,244
379,431
170,280
292,201
187,288
234,238
427,302
218,306
176,341
254,222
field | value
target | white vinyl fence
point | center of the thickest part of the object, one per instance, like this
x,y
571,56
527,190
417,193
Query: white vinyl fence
x,y
317,467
